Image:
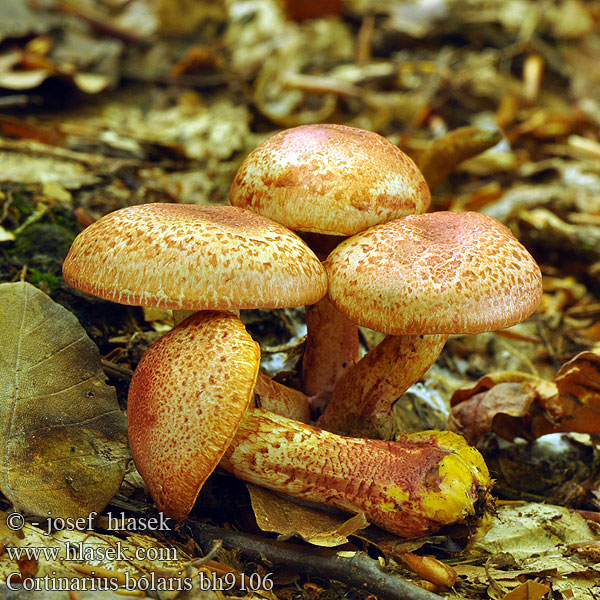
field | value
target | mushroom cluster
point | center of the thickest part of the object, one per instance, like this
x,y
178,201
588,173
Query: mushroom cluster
x,y
328,182
419,279
189,411
191,398
367,257
416,277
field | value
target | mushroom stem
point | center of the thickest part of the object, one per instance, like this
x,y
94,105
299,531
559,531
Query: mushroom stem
x,y
331,338
410,487
331,349
362,399
281,399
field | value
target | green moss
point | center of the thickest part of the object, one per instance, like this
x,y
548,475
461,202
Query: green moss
x,y
23,205
40,239
43,235
42,248
45,281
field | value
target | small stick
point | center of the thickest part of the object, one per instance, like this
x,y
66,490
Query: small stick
x,y
359,570
117,371
105,27
364,43
319,84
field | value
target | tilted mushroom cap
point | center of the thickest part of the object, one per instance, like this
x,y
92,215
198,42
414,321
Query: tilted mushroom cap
x,y
329,179
181,417
190,257
441,272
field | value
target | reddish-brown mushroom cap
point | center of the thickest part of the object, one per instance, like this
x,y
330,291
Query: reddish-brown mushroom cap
x,y
441,272
190,257
329,179
182,417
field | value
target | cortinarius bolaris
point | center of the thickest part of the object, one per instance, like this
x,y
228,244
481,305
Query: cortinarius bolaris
x,y
188,411
329,181
189,257
419,279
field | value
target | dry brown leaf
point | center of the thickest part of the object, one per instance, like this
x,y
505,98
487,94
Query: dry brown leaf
x,y
277,513
536,536
64,438
445,153
578,383
487,382
510,404
503,409
515,404
530,590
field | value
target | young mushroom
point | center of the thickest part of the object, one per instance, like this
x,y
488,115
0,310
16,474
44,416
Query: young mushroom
x,y
329,181
189,411
188,257
420,279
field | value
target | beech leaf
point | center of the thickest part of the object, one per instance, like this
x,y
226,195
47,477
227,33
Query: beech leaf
x,y
578,383
275,512
509,403
63,447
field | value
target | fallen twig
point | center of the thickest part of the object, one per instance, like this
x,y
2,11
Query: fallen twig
x,y
359,570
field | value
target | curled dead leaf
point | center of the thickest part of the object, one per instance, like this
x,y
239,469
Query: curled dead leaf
x,y
445,153
578,384
503,410
510,404
513,404
277,513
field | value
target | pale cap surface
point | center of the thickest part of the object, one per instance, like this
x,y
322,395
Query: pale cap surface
x,y
440,272
186,400
190,257
329,179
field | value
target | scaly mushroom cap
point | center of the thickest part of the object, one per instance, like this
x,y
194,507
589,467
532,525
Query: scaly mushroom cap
x,y
182,418
329,179
190,257
441,272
